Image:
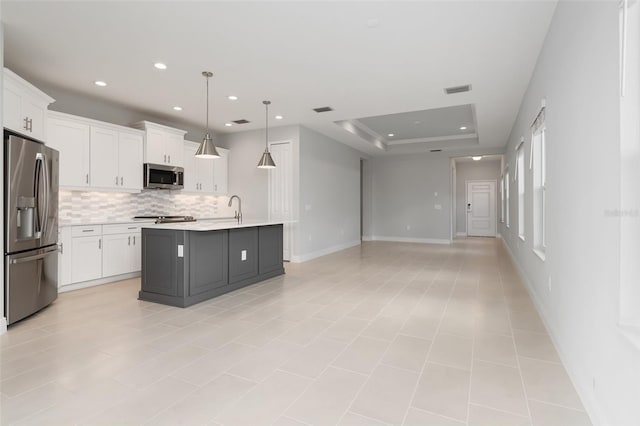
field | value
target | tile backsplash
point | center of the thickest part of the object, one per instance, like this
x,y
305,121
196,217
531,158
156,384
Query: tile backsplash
x,y
78,207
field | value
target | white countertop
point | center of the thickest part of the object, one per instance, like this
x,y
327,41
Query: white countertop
x,y
211,225
132,220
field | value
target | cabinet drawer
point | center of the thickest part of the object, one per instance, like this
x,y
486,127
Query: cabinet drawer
x,y
86,230
121,228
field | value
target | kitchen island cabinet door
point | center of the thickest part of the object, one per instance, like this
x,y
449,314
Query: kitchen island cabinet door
x,y
270,249
208,261
243,254
160,261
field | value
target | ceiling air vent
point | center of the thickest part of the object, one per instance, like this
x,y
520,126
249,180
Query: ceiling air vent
x,y
242,121
436,150
457,89
323,109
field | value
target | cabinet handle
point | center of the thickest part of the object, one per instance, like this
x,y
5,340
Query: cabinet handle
x,y
131,227
31,124
87,177
121,180
26,123
169,158
129,240
100,244
116,180
61,248
215,187
165,158
87,230
134,240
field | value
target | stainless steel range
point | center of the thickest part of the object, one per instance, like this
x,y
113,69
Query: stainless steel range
x,y
168,219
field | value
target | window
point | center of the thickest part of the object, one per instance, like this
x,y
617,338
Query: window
x,y
520,177
506,197
538,164
502,199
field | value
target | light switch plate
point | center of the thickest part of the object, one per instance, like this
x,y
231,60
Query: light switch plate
x,y
180,250
243,255
438,207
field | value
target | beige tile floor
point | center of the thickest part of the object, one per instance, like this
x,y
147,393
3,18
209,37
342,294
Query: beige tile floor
x,y
383,334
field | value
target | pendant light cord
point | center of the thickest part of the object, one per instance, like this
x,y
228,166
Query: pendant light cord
x,y
207,105
266,119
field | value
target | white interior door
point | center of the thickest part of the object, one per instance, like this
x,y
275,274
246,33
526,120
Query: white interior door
x,y
481,208
280,196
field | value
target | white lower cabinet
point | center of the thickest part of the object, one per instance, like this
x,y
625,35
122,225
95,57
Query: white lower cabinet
x,y
92,252
86,264
121,254
64,256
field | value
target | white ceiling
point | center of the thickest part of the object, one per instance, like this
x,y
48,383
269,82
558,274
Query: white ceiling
x,y
361,58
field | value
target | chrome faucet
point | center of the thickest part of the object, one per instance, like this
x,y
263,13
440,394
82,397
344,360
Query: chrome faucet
x,y
238,214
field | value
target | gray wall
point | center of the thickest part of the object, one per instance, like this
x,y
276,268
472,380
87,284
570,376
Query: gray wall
x,y
245,179
576,288
403,196
477,170
329,194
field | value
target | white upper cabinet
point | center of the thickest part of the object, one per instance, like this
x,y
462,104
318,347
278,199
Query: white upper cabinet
x,y
71,138
162,144
24,106
104,157
94,154
130,147
204,175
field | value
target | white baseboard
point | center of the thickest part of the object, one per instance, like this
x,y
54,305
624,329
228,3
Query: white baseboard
x,y
590,404
324,252
3,325
367,238
411,240
93,283
461,234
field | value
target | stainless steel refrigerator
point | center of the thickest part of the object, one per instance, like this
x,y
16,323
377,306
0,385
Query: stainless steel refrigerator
x,y
30,226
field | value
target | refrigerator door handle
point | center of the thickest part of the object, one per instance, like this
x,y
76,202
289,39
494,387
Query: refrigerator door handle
x,y
46,193
36,195
34,257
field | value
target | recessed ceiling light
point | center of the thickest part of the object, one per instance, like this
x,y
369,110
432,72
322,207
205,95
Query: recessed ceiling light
x,y
463,128
232,97
391,135
278,117
228,124
160,66
100,83
476,157
177,108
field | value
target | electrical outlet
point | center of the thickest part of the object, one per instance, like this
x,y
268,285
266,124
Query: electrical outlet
x,y
180,250
243,255
438,207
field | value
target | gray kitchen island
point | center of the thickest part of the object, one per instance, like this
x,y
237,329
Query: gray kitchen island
x,y
187,263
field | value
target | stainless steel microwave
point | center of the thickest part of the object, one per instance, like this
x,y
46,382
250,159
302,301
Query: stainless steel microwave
x,y
159,176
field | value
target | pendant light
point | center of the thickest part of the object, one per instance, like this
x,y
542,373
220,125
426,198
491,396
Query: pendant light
x,y
266,161
207,148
